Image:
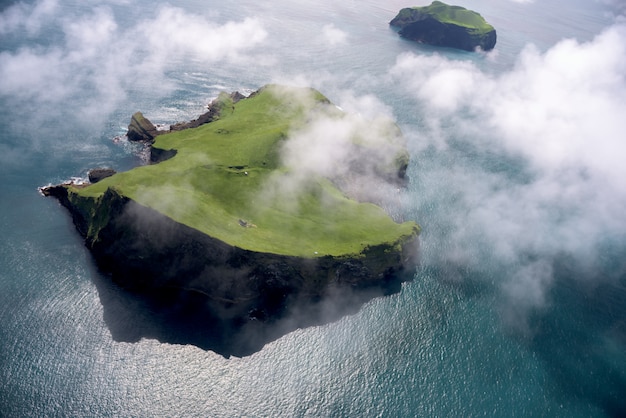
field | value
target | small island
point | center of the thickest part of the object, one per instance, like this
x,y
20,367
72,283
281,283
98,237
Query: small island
x,y
213,216
442,25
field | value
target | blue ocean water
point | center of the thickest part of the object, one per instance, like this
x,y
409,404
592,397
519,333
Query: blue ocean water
x,y
519,306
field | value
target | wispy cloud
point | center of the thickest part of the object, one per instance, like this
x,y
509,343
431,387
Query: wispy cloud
x,y
24,16
100,60
554,125
333,35
355,146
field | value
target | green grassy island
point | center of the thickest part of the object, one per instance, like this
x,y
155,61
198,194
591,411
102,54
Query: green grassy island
x,y
443,25
217,179
221,214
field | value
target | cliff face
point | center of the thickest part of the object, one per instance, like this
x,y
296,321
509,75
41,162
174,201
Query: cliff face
x,y
447,26
145,250
141,129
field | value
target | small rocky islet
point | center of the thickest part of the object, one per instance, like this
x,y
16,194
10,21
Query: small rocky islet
x,y
443,25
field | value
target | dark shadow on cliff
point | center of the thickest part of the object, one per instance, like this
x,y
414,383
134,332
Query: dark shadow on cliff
x,y
182,317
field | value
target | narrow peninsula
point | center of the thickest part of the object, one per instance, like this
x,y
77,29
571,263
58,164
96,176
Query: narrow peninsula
x,y
219,214
442,25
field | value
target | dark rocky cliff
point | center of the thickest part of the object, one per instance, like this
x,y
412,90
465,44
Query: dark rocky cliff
x,y
141,129
145,251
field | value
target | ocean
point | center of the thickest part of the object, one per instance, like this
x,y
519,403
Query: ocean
x,y
518,307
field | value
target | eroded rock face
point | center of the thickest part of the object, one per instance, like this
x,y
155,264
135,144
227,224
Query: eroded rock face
x,y
429,25
97,174
141,129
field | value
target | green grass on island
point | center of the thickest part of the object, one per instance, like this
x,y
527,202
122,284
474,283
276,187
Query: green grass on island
x,y
227,181
453,14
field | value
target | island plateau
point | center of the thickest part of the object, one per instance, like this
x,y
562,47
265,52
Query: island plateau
x,y
442,25
216,213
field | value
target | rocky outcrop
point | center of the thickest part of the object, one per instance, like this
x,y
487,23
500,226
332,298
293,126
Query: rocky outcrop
x,y
97,174
218,105
141,129
446,26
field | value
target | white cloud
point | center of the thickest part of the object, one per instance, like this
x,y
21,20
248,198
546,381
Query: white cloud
x,y
556,123
176,32
99,60
334,36
90,37
21,15
355,146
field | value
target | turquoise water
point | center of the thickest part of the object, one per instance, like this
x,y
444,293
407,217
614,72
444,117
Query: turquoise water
x,y
519,307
